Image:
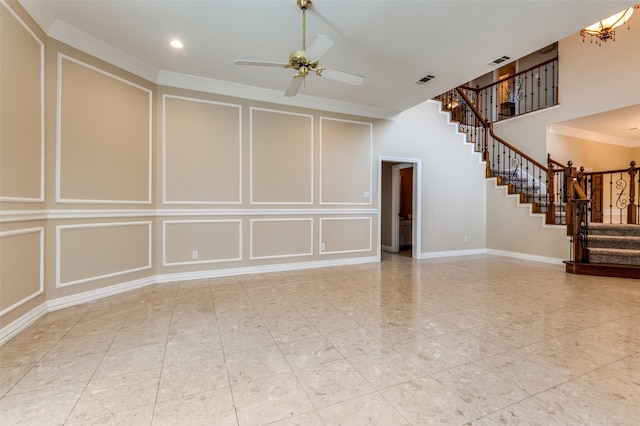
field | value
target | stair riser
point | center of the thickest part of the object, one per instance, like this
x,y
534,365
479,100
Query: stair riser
x,y
633,231
615,260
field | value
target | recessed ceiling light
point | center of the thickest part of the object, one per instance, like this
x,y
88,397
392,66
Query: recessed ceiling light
x,y
177,44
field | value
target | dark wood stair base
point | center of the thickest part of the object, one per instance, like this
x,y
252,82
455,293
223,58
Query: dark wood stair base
x,y
603,270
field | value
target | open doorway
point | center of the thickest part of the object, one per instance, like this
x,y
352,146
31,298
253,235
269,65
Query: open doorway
x,y
399,195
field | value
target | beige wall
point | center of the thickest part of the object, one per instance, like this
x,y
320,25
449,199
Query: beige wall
x,y
511,228
453,188
591,155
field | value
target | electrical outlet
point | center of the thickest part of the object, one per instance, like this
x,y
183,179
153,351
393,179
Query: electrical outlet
x,y
466,239
194,254
322,246
366,194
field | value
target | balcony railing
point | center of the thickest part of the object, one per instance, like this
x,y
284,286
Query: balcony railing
x,y
526,91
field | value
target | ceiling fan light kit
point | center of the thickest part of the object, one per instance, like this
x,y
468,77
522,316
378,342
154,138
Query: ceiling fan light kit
x,y
305,61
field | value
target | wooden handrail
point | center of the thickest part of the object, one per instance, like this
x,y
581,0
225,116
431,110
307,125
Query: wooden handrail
x,y
556,163
488,125
516,150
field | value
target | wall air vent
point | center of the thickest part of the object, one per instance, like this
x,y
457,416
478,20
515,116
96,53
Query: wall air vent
x,y
500,60
426,78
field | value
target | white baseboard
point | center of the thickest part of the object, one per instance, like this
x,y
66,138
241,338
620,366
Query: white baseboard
x,y
516,255
451,253
15,327
526,256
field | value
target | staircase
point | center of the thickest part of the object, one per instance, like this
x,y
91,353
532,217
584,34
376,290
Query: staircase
x,y
611,250
614,244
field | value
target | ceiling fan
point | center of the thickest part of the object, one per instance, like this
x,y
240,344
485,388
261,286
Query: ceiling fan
x,y
305,61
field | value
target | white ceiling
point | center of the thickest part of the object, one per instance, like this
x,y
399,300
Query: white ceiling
x,y
391,43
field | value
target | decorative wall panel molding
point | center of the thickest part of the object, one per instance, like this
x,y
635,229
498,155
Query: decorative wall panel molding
x,y
276,238
22,119
346,235
90,252
192,242
103,137
22,259
346,155
201,151
281,157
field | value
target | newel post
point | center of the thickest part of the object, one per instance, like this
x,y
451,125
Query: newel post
x,y
485,149
551,191
569,175
632,209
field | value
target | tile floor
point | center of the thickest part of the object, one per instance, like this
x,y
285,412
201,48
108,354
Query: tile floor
x,y
482,340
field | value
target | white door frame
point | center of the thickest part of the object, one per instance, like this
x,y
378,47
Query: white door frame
x,y
395,205
416,214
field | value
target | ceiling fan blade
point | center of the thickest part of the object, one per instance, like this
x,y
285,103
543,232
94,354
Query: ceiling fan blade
x,y
259,63
295,84
343,77
319,46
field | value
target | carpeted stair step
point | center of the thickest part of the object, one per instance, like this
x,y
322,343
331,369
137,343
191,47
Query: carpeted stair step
x,y
614,229
614,256
614,242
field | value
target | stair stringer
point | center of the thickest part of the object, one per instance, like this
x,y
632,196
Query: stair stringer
x,y
457,131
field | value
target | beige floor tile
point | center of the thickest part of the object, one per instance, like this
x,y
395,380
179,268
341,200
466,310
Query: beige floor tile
x,y
355,342
424,401
615,385
307,419
590,407
214,407
309,352
430,355
371,409
331,383
139,416
629,366
125,361
118,393
41,407
333,323
293,331
270,399
531,412
79,346
525,374
385,368
9,376
20,352
469,345
188,378
485,391
132,338
58,372
255,364
191,348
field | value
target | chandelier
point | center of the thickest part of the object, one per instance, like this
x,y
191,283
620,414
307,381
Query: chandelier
x,y
605,29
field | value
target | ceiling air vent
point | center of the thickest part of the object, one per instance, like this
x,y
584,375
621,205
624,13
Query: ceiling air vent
x,y
426,78
500,60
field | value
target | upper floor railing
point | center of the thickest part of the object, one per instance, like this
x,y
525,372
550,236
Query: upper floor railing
x,y
529,90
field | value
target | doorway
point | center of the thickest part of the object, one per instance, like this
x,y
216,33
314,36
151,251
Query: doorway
x,y
399,183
